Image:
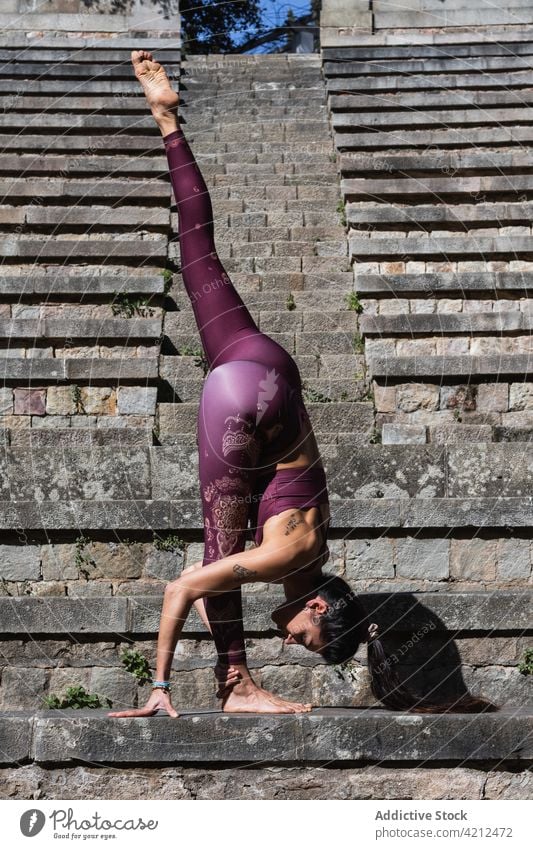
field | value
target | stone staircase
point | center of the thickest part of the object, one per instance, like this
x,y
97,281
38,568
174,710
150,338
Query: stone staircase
x,y
104,509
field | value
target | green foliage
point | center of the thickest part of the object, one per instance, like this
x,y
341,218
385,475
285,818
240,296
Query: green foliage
x,y
342,212
172,542
83,560
291,303
76,697
136,663
346,671
167,280
195,351
127,306
358,344
375,438
353,302
75,393
526,664
312,396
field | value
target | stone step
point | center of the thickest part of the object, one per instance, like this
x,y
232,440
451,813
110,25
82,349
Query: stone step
x,y
48,122
347,514
77,70
71,219
432,99
75,283
412,189
92,25
459,161
103,250
354,419
144,146
333,735
53,369
442,138
85,190
24,438
417,50
22,40
104,166
438,216
436,5
78,53
360,82
451,38
485,16
461,283
438,324
117,329
467,366
442,248
441,65
431,118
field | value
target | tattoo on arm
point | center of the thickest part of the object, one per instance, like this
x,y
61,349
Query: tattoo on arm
x,y
292,524
242,571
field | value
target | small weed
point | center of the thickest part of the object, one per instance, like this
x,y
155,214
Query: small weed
x,y
291,303
358,344
340,209
76,697
195,351
312,396
375,438
346,671
75,392
167,280
333,157
353,302
368,396
83,560
127,306
526,664
172,542
136,663
457,416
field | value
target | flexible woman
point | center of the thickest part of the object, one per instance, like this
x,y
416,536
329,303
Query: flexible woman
x,y
258,463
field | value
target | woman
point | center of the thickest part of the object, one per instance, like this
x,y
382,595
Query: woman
x,y
259,463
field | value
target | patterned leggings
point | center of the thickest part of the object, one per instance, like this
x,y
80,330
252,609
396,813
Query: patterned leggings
x,y
253,384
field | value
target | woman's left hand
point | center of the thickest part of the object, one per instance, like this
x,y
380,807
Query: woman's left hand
x,y
227,677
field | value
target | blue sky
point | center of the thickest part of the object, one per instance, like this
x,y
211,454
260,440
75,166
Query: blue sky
x,y
274,12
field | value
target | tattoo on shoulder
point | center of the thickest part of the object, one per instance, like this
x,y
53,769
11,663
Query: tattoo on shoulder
x,y
242,571
292,524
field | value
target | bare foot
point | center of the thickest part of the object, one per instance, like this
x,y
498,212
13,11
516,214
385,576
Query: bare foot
x,y
256,700
162,99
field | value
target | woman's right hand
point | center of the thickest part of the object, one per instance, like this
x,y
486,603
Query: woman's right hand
x,y
159,700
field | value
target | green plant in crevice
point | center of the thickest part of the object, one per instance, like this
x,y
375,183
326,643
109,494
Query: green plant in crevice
x,y
368,396
76,696
375,438
457,416
75,392
353,302
171,542
346,671
82,559
525,667
341,210
313,396
358,343
291,303
136,663
188,350
126,306
167,280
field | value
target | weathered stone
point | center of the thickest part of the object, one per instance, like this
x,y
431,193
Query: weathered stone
x,y
137,400
423,558
493,397
521,396
369,558
20,562
60,401
417,396
22,687
473,559
514,559
30,402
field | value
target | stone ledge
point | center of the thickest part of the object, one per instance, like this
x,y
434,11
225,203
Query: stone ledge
x,y
326,734
462,282
500,610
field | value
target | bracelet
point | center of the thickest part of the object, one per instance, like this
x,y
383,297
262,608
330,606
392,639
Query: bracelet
x,y
161,685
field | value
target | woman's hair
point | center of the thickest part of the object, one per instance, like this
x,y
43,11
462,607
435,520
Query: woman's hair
x,y
345,626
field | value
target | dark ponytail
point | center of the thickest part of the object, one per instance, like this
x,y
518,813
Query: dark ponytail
x,y
345,626
388,689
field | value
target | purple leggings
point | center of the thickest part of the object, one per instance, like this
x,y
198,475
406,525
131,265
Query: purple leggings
x,y
253,385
